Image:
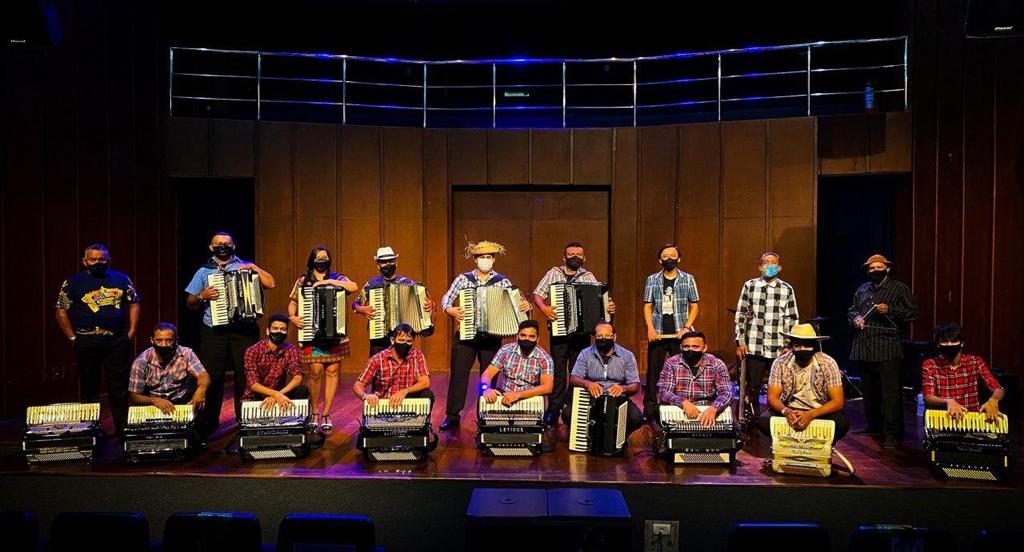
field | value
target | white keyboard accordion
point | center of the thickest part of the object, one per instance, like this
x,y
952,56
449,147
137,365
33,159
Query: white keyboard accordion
x,y
578,308
598,426
807,452
275,432
398,303
490,310
61,432
688,442
515,430
240,297
396,433
153,435
322,310
968,448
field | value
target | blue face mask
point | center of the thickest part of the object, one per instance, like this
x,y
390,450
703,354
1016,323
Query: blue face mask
x,y
770,271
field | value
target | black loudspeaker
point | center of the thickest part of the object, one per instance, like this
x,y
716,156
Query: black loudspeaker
x,y
994,18
31,24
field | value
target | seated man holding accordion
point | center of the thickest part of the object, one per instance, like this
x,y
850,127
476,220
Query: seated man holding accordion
x,y
950,380
695,378
527,370
167,374
607,368
395,373
272,368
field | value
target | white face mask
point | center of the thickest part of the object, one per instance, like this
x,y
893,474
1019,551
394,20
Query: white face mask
x,y
485,265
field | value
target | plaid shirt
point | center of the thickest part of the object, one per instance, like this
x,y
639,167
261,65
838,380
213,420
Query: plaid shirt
x,y
269,368
711,385
388,376
940,379
521,373
825,375
765,309
467,280
684,289
557,276
175,381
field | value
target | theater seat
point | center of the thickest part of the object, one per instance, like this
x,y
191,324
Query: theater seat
x,y
212,532
306,531
107,531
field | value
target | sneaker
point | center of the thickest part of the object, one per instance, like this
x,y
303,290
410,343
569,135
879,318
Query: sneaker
x,y
325,425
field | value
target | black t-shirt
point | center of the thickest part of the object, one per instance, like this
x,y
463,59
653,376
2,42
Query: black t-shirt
x,y
668,322
97,305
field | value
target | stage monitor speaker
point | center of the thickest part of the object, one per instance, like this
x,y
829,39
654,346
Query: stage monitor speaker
x,y
32,24
994,18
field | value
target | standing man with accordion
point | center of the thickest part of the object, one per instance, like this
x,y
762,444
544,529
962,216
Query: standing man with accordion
x,y
387,264
229,291
566,348
607,368
484,342
98,310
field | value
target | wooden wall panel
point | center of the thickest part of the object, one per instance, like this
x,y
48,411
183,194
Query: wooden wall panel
x,y
467,156
628,265
744,169
275,218
842,144
890,136
437,250
793,204
508,156
315,198
550,157
188,147
593,156
231,148
402,194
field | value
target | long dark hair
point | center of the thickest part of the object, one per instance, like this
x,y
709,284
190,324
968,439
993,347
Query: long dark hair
x,y
309,279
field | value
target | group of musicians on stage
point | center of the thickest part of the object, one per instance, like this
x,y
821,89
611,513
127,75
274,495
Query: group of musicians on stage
x,y
98,310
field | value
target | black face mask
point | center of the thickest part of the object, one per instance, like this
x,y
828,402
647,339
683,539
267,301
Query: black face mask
x,y
604,346
98,270
692,357
803,358
388,270
223,251
403,349
877,276
165,352
278,338
321,266
669,264
574,263
527,346
950,351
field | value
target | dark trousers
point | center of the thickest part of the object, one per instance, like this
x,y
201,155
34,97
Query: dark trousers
x,y
634,418
109,355
757,368
657,352
481,349
425,394
220,349
764,422
564,351
883,405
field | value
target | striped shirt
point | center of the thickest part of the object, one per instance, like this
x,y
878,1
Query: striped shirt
x,y
880,338
387,376
620,367
765,309
520,373
173,382
711,385
468,280
824,375
557,276
940,379
684,291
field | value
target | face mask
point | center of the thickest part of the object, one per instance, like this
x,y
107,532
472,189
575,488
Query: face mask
x,y
803,357
527,346
403,349
604,346
877,276
321,266
485,265
165,352
770,271
574,263
223,251
388,270
98,270
950,351
692,357
278,338
669,264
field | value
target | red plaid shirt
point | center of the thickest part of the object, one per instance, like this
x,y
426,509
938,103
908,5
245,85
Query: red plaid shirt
x,y
269,368
940,379
389,376
520,373
711,385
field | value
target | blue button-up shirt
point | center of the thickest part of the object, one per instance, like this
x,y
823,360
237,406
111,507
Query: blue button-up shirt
x,y
200,282
621,367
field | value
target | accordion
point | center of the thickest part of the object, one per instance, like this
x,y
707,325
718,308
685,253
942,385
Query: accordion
x,y
515,430
240,297
688,442
598,426
390,433
323,310
968,448
578,308
61,432
397,303
153,435
275,432
489,310
807,452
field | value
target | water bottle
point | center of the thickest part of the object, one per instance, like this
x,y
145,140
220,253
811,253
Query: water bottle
x,y
869,97
920,405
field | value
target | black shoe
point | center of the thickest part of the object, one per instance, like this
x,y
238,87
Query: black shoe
x,y
450,423
890,442
867,431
